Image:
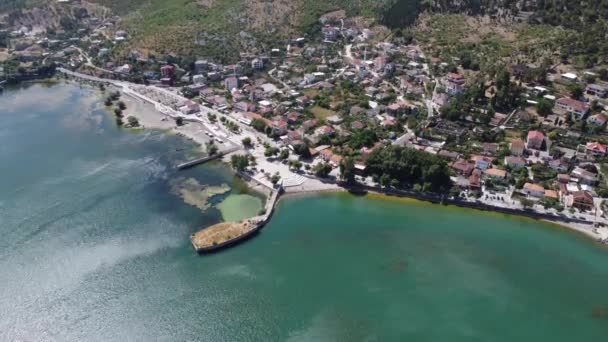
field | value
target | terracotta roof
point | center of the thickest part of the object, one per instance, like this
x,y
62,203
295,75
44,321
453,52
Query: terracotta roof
x,y
534,187
536,135
582,196
496,173
595,146
551,193
574,104
517,144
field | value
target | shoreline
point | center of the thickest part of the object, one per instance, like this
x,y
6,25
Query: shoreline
x,y
149,117
586,230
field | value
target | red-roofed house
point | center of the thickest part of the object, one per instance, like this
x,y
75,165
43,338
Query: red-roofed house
x,y
582,200
293,117
597,120
481,162
495,173
463,167
325,130
515,162
279,126
517,147
455,83
534,190
596,149
578,109
308,124
475,180
535,140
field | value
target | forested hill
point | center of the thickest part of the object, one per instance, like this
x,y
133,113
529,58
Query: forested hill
x,y
220,28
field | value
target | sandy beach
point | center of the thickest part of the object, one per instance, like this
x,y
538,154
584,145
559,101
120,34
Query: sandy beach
x,y
149,117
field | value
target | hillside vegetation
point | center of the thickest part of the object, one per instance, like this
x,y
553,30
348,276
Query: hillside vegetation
x,y
221,28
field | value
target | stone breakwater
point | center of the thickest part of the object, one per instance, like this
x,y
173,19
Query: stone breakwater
x,y
228,234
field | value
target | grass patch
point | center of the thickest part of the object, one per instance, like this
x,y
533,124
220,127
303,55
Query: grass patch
x,y
322,113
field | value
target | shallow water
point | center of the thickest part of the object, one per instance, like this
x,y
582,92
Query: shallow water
x,y
95,247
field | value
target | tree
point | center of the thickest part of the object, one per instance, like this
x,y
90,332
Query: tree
x,y
526,203
409,166
258,125
102,87
275,178
270,151
119,121
302,150
179,121
576,91
603,73
544,107
295,164
247,142
122,105
133,122
284,154
322,170
385,180
239,162
108,102
347,170
118,112
211,148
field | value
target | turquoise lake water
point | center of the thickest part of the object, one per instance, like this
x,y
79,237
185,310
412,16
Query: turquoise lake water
x,y
95,247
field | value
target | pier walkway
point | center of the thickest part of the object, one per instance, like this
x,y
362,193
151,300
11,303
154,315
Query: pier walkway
x,y
202,160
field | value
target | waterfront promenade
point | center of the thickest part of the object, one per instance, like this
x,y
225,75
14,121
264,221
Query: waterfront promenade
x,y
297,183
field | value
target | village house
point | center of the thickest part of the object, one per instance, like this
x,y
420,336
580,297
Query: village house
x,y
279,127
330,33
475,181
596,149
244,107
303,101
581,200
257,64
533,190
597,90
584,176
308,124
490,148
563,178
481,162
552,194
596,120
535,140
167,71
495,173
462,167
448,155
231,83
515,162
292,117
356,125
455,83
324,130
559,165
190,107
517,147
578,109
441,100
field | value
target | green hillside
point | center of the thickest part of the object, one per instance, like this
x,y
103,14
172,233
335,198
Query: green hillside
x,y
220,28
